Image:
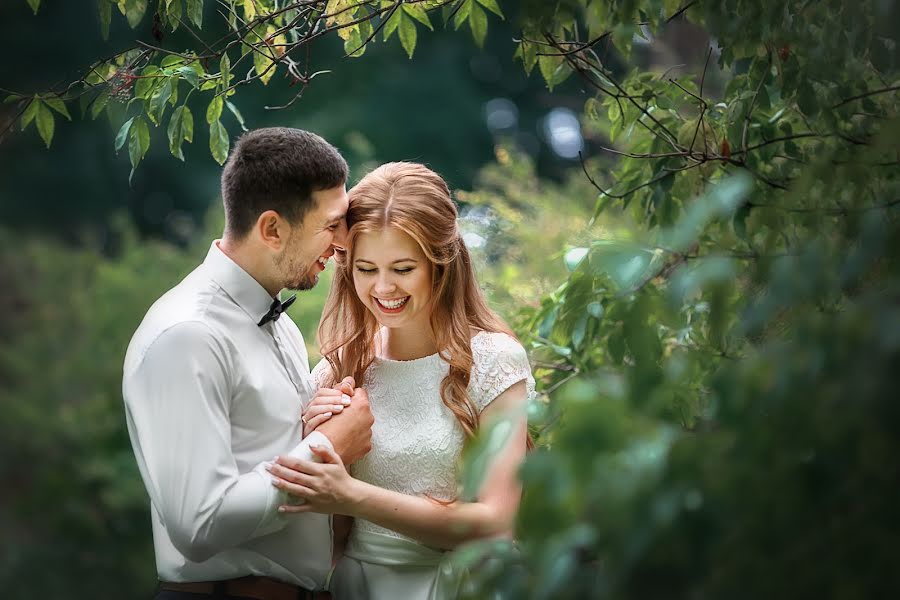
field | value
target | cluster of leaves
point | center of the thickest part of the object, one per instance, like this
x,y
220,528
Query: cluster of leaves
x,y
137,87
717,420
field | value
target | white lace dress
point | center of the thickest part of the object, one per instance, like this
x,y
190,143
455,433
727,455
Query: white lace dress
x,y
416,445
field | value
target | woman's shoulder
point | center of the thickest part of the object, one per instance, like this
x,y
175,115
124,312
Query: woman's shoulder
x,y
488,346
498,361
321,373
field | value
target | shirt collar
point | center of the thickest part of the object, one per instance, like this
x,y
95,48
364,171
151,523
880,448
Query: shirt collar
x,y
238,283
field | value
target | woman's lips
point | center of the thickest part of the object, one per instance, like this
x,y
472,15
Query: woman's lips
x,y
394,306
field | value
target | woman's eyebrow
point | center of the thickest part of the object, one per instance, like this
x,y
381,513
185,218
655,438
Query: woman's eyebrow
x,y
399,260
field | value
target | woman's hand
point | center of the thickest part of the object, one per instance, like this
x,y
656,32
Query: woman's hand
x,y
326,403
327,487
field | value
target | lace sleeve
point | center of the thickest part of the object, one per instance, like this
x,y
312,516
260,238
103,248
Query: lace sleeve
x,y
499,361
322,374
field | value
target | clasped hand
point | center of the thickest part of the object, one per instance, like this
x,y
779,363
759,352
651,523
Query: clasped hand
x,y
326,403
327,487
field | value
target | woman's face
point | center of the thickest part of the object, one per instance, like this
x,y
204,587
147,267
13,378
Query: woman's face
x,y
392,277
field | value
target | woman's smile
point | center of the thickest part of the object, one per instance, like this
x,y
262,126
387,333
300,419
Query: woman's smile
x,y
393,306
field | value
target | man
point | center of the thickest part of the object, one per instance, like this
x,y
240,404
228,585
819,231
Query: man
x,y
215,378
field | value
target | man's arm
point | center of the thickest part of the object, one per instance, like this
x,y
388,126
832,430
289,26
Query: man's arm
x,y
178,402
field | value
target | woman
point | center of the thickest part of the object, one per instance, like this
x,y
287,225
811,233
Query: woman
x,y
406,318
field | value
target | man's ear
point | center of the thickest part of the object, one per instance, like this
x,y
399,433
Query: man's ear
x,y
272,230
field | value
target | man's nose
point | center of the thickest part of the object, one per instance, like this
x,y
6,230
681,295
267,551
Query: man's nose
x,y
340,237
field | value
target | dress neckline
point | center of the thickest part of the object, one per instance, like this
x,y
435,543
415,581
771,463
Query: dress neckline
x,y
381,359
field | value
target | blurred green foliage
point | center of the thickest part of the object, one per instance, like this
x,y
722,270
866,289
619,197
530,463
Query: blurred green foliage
x,y
718,418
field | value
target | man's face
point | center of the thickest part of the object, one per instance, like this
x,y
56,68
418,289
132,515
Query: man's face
x,y
313,242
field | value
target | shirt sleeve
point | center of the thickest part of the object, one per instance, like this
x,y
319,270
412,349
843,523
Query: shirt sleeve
x,y
498,362
178,403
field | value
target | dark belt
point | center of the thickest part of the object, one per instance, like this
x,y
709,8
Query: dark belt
x,y
252,586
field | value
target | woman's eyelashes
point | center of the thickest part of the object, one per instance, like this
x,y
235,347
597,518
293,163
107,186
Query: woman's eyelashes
x,y
402,271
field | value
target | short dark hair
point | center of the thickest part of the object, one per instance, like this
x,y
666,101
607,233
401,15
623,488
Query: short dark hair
x,y
277,168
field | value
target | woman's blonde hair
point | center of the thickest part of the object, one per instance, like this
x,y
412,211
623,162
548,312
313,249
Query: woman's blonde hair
x,y
415,200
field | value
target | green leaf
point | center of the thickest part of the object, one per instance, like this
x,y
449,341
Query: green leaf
x,y
407,32
391,25
249,9
225,69
34,4
462,14
574,257
739,222
138,142
30,112
548,66
173,99
190,75
688,280
176,133
492,6
195,12
104,7
171,60
218,142
45,123
264,65
479,24
353,45
615,344
237,114
595,309
579,331
807,100
147,82
528,53
188,125
722,200
181,127
99,103
214,110
173,13
159,99
134,11
627,264
417,12
123,133
59,106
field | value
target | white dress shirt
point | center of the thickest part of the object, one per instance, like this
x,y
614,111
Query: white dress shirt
x,y
210,398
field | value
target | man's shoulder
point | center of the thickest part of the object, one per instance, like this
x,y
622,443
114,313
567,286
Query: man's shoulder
x,y
190,305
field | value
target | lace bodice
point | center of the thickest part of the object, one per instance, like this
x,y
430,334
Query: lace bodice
x,y
416,439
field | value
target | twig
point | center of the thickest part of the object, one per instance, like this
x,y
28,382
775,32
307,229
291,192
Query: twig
x,y
667,173
867,94
681,11
749,115
581,47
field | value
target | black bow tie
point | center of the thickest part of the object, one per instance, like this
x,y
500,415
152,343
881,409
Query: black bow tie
x,y
276,309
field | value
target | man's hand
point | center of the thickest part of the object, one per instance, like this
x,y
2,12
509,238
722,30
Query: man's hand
x,y
350,432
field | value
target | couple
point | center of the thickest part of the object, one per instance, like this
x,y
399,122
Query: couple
x,y
242,490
